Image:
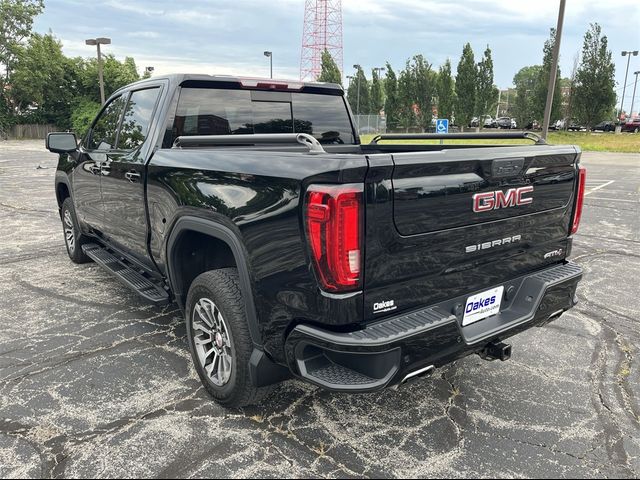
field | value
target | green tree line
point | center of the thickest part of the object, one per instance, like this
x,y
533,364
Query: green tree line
x,y
39,84
410,96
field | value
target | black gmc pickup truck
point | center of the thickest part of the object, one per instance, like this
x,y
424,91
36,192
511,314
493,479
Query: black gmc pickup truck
x,y
295,250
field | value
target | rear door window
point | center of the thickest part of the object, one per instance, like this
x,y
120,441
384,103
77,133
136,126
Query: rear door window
x,y
137,118
208,111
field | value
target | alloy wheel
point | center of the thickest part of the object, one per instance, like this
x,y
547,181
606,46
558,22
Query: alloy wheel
x,y
69,231
212,342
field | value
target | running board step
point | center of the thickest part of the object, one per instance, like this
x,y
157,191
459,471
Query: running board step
x,y
126,274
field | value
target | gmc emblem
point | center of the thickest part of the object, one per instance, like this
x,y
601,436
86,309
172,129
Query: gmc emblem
x,y
484,202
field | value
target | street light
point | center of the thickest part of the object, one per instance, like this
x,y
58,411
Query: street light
x,y
624,88
633,97
270,55
349,78
148,70
358,68
97,42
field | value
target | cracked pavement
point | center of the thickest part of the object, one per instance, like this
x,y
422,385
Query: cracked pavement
x,y
95,383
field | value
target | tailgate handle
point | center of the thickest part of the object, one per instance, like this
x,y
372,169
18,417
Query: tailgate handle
x,y
506,167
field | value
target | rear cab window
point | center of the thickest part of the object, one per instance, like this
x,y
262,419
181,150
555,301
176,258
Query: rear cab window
x,y
214,111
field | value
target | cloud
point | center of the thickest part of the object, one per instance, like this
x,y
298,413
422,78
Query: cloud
x,y
229,36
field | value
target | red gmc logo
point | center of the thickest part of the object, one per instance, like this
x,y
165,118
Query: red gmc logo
x,y
484,202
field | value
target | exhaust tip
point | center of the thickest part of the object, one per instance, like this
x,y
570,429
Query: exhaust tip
x,y
421,372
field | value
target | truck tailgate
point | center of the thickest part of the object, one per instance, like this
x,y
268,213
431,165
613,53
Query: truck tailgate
x,y
454,222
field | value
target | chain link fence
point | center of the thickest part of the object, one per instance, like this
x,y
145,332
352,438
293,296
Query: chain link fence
x,y
370,124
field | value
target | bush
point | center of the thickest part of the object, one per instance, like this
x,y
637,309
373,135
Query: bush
x,y
82,114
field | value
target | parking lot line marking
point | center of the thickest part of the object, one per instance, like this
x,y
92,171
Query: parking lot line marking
x,y
616,200
599,187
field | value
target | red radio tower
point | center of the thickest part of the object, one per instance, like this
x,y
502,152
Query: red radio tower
x,y
322,30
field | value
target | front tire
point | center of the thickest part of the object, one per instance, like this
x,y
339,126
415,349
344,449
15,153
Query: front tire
x,y
219,338
73,236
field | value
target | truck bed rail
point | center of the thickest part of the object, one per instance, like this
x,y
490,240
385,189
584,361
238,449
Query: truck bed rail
x,y
461,136
305,139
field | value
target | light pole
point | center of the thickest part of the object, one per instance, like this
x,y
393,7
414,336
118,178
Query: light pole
x,y
97,42
358,68
554,71
624,87
270,55
633,97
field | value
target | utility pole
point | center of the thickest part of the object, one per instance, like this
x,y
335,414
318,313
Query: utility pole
x,y
97,42
270,55
624,87
554,71
498,107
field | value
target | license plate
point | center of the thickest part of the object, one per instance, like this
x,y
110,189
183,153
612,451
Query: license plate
x,y
482,305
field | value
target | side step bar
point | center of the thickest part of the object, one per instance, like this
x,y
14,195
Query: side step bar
x,y
128,275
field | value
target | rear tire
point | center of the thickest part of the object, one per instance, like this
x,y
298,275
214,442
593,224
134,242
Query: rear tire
x,y
219,338
73,236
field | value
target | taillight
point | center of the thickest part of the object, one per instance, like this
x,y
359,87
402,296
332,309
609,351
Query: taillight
x,y
333,218
577,212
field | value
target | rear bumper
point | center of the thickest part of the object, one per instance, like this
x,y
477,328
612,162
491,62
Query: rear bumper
x,y
384,353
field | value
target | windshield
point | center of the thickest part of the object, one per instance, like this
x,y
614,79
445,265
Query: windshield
x,y
208,111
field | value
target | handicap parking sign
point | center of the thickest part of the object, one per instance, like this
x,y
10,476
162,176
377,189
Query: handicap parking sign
x,y
442,125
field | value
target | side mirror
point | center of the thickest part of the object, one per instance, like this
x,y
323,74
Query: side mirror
x,y
61,142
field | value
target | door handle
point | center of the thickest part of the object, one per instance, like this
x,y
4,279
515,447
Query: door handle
x,y
133,177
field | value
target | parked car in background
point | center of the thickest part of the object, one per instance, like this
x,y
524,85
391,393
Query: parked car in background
x,y
514,124
632,125
534,125
575,126
558,125
489,122
504,122
606,126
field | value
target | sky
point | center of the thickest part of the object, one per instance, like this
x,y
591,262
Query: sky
x,y
229,37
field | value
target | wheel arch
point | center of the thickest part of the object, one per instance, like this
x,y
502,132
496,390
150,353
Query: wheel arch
x,y
189,227
63,189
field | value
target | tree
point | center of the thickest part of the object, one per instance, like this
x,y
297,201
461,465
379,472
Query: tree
x,y
466,87
330,71
406,110
423,80
392,101
377,93
525,81
16,21
542,84
116,75
446,93
571,84
358,93
43,82
595,78
485,95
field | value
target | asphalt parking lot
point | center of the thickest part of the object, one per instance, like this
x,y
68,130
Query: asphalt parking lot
x,y
95,383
